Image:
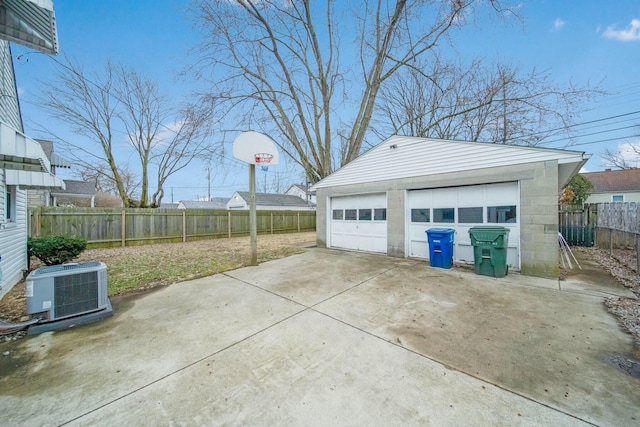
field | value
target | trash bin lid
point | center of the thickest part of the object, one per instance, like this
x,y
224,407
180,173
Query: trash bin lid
x,y
440,231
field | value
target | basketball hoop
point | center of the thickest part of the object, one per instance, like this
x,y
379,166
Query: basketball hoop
x,y
263,159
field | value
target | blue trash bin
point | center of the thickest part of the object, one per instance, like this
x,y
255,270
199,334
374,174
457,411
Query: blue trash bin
x,y
440,247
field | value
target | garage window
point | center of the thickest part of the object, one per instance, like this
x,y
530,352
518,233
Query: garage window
x,y
420,215
501,214
443,215
470,215
364,214
338,214
380,214
350,214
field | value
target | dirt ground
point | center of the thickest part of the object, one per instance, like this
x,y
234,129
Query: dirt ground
x,y
13,304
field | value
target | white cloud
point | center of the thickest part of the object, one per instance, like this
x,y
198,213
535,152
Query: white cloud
x,y
631,33
557,24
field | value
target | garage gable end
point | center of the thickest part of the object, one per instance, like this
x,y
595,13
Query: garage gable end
x,y
405,157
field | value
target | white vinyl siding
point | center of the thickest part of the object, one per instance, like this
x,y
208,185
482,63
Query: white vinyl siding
x,y
13,241
9,107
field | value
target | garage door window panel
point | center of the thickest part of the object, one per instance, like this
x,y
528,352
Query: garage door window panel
x,y
501,214
364,215
380,214
470,215
350,214
444,215
420,215
338,214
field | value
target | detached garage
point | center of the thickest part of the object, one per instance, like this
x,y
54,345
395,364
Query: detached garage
x,y
387,198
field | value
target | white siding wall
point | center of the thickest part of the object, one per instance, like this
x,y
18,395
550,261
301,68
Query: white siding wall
x,y
9,109
13,241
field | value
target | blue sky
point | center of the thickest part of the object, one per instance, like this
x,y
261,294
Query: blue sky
x,y
579,40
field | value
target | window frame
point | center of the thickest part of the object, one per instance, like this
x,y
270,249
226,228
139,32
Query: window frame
x,y
10,201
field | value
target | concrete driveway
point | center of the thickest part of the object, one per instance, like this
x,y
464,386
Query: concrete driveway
x,y
333,338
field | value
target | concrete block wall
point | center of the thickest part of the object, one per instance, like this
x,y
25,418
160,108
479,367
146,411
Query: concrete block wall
x,y
539,225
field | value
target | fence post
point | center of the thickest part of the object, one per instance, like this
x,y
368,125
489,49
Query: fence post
x,y
298,222
611,241
638,254
123,228
35,222
271,222
229,223
184,225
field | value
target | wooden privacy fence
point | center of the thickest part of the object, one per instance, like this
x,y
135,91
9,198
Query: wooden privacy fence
x,y
106,227
578,225
619,225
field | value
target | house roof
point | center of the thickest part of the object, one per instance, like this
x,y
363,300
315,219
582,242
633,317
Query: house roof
x,y
614,180
76,188
214,203
300,187
407,157
58,161
266,199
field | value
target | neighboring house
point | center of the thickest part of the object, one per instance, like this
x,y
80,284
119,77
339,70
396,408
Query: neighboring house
x,y
169,205
385,200
302,192
268,202
43,197
75,190
614,186
213,203
23,163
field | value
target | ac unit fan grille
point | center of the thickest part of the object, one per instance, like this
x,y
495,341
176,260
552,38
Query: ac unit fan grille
x,y
76,293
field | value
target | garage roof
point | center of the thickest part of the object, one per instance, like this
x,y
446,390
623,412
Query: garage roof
x,y
405,157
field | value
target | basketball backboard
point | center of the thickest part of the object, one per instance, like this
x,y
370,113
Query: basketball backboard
x,y
256,149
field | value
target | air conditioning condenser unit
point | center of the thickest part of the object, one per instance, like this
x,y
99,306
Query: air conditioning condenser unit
x,y
66,295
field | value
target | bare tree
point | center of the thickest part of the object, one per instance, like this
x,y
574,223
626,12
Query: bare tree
x,y
103,178
476,102
282,65
626,156
120,101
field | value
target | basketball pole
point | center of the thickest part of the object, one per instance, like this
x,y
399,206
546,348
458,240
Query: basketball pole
x,y
253,226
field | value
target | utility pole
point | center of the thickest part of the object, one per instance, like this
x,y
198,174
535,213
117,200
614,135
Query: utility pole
x,y
209,183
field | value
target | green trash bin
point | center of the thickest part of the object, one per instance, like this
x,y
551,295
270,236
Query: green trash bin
x,y
490,250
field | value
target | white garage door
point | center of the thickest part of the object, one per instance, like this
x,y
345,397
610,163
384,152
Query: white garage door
x,y
461,208
359,222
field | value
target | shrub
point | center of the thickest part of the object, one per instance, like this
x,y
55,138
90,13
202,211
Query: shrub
x,y
53,250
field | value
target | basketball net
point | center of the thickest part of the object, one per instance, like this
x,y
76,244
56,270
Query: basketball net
x,y
263,160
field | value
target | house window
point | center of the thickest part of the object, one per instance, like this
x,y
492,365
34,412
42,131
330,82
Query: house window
x,y
501,214
350,214
380,214
419,215
364,214
470,215
10,203
338,214
617,198
444,215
